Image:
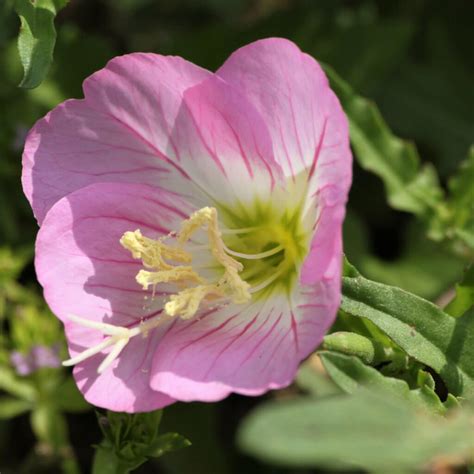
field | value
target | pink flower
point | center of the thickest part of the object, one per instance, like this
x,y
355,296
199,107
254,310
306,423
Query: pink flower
x,y
190,234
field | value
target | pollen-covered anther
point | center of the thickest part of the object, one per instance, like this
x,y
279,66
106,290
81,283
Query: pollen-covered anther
x,y
187,302
183,274
237,289
164,264
153,252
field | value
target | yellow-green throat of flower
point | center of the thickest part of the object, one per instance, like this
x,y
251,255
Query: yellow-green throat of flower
x,y
276,250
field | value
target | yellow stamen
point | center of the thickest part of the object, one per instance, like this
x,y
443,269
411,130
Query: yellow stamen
x,y
175,274
236,288
157,257
187,302
153,252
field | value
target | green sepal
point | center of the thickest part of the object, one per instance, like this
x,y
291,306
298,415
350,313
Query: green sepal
x,y
130,440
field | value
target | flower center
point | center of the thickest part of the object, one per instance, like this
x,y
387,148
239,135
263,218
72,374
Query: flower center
x,y
272,228
258,255
173,264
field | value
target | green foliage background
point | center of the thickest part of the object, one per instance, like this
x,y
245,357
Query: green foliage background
x,y
410,223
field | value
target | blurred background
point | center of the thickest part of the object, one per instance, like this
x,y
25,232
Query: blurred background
x,y
413,58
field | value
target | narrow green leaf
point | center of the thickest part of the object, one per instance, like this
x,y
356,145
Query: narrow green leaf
x,y
37,38
409,186
420,328
11,407
464,299
365,431
350,373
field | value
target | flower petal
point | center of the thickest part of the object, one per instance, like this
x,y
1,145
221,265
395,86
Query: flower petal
x,y
247,350
243,349
223,142
309,132
291,92
124,386
316,303
118,133
85,272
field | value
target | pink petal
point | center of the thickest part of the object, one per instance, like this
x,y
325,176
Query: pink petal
x,y
309,132
124,386
246,350
85,271
118,133
243,349
317,302
291,92
223,142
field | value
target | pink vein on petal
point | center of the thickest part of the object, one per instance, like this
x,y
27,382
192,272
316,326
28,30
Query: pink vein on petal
x,y
206,334
159,153
241,333
317,150
264,338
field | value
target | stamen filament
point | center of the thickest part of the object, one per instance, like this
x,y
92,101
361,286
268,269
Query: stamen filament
x,y
113,354
89,352
104,328
244,230
119,337
255,256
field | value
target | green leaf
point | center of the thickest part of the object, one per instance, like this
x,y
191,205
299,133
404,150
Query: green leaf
x,y
11,407
409,186
366,431
166,443
424,267
464,299
313,378
37,38
350,373
421,329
